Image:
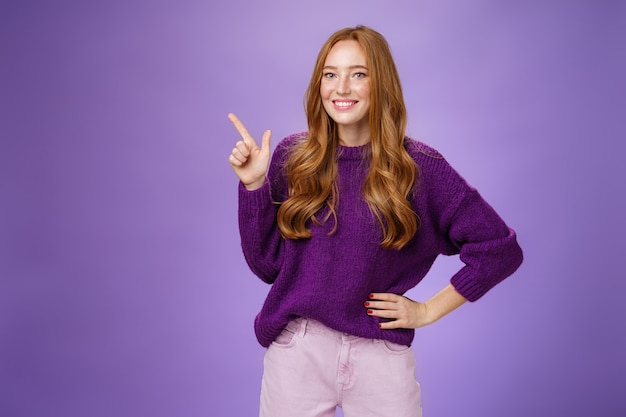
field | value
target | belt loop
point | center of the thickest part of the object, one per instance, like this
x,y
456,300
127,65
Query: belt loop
x,y
302,329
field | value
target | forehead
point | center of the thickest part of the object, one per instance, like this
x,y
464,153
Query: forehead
x,y
346,53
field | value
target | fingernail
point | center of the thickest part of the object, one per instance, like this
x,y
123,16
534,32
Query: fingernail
x,y
367,303
371,295
369,311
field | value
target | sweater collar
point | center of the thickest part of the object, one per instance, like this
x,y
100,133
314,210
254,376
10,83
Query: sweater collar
x,y
352,152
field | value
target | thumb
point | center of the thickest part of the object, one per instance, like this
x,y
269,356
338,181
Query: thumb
x,y
265,141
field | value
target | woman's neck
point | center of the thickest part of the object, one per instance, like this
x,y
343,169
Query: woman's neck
x,y
353,135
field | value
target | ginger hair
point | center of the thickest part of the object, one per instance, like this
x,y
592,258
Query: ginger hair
x,y
312,164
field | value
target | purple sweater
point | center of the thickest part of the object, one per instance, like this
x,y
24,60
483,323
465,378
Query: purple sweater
x,y
328,277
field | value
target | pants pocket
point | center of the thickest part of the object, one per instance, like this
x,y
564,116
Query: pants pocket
x,y
286,338
395,348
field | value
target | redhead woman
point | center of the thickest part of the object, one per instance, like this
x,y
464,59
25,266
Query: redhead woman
x,y
344,219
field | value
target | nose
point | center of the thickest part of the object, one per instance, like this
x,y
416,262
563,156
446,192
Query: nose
x,y
344,85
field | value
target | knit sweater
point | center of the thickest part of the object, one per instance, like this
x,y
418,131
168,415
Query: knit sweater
x,y
327,277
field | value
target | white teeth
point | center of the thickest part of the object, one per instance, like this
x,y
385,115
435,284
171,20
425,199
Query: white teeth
x,y
344,103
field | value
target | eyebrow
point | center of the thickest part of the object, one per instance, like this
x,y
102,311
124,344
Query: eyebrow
x,y
350,67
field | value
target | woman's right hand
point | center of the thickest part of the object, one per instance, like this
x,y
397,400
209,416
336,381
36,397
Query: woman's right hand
x,y
248,160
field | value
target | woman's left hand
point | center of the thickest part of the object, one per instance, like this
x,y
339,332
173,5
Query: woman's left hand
x,y
408,314
404,312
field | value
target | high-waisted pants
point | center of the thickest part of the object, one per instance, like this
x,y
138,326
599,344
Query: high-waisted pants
x,y
310,369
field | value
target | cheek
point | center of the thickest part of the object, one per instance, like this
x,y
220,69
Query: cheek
x,y
364,90
324,91
325,97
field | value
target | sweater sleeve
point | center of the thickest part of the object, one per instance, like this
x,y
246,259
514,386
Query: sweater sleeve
x,y
261,241
487,247
472,229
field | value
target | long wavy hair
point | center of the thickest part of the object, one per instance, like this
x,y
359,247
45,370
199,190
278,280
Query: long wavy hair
x,y
312,165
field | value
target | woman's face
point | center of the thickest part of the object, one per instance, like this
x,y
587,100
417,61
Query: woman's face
x,y
345,91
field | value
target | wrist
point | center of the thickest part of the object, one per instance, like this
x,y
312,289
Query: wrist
x,y
430,313
255,185
441,304
422,315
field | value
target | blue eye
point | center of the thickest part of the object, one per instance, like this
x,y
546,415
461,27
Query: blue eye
x,y
329,75
360,75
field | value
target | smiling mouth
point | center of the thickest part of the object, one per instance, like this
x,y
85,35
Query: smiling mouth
x,y
344,104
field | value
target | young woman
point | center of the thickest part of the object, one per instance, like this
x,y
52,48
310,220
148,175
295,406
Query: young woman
x,y
345,219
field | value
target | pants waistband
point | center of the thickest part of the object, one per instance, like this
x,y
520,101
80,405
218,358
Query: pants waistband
x,y
302,326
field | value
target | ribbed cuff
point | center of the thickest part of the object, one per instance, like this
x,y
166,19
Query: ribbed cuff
x,y
467,285
253,199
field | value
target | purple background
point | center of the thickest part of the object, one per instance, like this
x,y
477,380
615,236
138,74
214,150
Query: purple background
x,y
123,290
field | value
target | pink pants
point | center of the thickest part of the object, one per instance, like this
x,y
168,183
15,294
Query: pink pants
x,y
311,369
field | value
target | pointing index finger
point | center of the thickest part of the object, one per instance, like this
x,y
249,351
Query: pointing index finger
x,y
243,132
